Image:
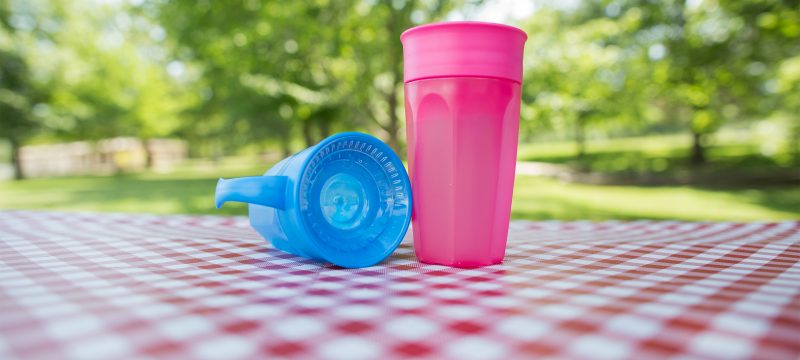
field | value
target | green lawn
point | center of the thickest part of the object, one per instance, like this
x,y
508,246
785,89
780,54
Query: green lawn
x,y
730,153
540,198
534,198
190,188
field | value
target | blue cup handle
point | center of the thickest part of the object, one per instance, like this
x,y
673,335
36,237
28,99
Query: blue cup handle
x,y
262,190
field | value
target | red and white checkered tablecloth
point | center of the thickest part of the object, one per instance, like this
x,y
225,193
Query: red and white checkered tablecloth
x,y
115,286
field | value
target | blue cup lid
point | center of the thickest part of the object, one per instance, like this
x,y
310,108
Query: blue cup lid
x,y
354,199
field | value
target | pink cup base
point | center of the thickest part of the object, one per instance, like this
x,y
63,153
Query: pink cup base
x,y
461,264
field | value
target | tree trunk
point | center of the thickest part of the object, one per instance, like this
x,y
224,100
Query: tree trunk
x,y
698,149
15,160
580,139
307,135
325,127
217,152
393,127
148,154
395,60
794,143
286,146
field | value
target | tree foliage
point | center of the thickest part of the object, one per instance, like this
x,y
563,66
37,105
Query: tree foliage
x,y
272,70
252,74
694,65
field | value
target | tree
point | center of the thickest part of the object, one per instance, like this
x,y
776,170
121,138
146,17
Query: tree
x,y
270,67
18,93
16,123
378,53
99,84
264,68
578,76
769,47
705,64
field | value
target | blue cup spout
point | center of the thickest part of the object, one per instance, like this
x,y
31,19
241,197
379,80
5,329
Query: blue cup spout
x,y
261,190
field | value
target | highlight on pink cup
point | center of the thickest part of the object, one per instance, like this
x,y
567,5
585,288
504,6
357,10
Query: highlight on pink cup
x,y
462,99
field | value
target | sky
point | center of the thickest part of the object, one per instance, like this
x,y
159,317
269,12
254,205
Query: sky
x,y
505,11
499,11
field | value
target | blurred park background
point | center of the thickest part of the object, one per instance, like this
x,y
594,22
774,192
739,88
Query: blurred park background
x,y
674,109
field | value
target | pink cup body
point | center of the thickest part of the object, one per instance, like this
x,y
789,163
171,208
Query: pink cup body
x,y
462,100
462,149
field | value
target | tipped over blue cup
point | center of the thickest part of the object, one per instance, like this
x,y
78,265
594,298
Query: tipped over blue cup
x,y
346,200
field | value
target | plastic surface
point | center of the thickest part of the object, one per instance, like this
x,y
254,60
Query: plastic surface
x,y
463,48
345,200
462,150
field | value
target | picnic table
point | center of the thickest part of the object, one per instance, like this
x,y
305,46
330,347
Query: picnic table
x,y
117,286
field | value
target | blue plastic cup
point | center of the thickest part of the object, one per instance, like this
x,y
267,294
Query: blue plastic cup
x,y
346,200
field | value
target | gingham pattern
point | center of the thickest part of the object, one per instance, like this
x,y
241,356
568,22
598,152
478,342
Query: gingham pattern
x,y
117,286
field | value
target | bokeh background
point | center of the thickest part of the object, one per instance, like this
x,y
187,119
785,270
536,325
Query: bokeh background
x,y
675,109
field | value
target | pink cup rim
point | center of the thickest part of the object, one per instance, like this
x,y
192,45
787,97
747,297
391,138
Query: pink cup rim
x,y
457,23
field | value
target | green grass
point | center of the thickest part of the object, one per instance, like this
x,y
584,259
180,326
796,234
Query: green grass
x,y
190,188
535,198
661,154
540,198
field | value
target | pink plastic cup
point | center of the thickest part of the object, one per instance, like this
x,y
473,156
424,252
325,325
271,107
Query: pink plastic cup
x,y
462,98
